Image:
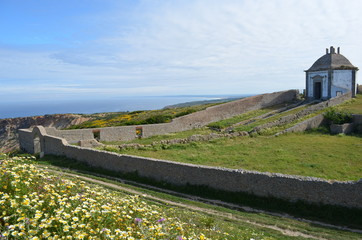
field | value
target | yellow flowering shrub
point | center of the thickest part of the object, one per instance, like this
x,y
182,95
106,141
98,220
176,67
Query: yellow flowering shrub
x,y
35,204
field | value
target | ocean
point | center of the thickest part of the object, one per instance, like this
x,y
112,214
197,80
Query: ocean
x,y
36,108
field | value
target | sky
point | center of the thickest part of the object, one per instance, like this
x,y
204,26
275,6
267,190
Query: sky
x,y
88,49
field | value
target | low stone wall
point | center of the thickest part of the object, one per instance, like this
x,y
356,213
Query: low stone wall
x,y
183,123
311,109
72,136
319,120
290,188
27,140
192,138
359,89
310,123
357,119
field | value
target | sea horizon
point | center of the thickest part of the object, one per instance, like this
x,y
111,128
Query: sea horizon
x,y
90,106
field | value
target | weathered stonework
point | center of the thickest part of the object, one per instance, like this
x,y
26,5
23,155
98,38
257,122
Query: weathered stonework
x,y
359,89
346,128
286,187
187,122
193,138
309,123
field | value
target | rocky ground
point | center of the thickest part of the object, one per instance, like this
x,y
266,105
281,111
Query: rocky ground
x,y
9,127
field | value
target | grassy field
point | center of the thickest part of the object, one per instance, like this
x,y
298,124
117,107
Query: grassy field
x,y
308,154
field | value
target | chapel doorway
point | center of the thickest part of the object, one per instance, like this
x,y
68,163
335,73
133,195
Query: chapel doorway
x,y
317,90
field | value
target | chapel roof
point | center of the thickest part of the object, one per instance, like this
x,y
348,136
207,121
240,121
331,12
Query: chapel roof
x,y
331,60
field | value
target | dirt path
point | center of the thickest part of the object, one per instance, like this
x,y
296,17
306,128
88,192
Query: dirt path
x,y
225,215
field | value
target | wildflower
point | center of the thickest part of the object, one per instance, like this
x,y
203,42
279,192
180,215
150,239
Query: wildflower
x,y
66,228
38,214
161,220
26,202
137,220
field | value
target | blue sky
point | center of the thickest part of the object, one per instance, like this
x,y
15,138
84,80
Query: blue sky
x,y
107,48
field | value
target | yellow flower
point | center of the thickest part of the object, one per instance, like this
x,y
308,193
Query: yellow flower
x,y
38,214
26,201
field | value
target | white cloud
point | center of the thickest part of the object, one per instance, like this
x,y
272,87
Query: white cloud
x,y
195,47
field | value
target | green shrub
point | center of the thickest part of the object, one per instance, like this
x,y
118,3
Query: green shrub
x,y
338,117
186,112
158,119
215,126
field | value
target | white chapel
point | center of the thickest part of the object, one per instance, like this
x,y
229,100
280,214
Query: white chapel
x,y
330,76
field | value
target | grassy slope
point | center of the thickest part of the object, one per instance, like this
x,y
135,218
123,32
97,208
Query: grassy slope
x,y
353,106
318,155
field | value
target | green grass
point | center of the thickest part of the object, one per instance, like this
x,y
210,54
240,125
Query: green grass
x,y
353,106
167,136
276,129
239,118
307,154
259,122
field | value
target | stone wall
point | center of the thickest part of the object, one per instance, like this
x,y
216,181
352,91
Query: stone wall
x,y
183,123
309,123
319,120
27,140
72,136
357,118
359,89
287,187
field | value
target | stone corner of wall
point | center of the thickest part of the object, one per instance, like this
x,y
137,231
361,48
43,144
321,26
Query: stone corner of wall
x,y
25,130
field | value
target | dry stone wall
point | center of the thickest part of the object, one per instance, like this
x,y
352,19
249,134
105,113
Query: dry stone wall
x,y
310,123
192,138
319,120
290,188
183,123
